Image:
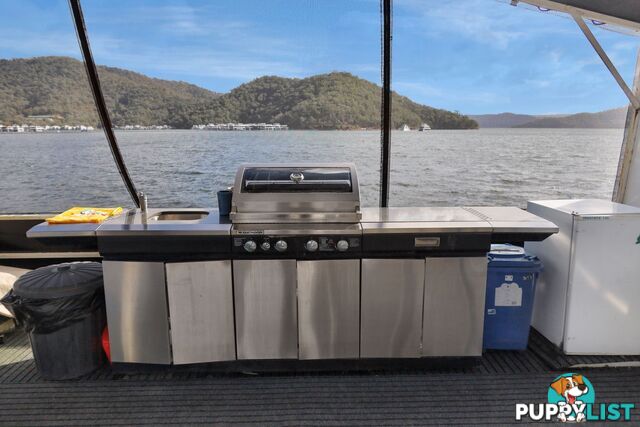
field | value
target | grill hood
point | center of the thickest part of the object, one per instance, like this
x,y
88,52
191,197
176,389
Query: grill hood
x,y
296,193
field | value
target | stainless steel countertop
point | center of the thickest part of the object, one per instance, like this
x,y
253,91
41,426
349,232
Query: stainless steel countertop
x,y
453,219
475,219
133,223
510,219
418,214
422,220
62,230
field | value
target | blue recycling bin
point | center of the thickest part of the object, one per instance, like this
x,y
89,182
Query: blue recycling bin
x,y
511,284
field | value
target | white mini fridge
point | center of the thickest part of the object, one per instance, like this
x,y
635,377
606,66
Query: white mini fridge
x,y
587,299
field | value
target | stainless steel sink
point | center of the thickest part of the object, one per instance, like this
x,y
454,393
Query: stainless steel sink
x,y
179,216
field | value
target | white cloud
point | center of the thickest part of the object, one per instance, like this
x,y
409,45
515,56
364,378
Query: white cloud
x,y
414,89
196,63
493,23
474,19
25,43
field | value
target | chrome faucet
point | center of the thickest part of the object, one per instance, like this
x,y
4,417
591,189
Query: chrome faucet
x,y
142,200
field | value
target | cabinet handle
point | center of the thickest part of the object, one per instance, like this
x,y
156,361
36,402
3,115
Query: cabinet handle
x,y
427,242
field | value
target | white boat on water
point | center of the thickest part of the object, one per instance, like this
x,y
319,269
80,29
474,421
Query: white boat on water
x,y
405,128
424,127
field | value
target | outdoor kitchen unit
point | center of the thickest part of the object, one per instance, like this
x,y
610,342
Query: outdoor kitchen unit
x,y
317,277
298,272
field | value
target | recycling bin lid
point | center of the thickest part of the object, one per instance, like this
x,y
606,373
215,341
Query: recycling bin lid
x,y
506,251
60,280
510,256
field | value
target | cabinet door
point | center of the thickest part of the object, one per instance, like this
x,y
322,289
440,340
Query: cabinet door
x,y
454,306
136,303
329,309
266,313
201,311
391,305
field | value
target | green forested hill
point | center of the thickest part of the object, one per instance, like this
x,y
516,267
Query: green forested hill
x,y
327,101
58,86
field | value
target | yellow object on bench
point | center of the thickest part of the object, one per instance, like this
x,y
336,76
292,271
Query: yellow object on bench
x,y
77,215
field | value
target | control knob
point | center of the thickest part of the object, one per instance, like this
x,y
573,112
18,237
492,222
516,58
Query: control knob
x,y
342,245
265,246
250,246
281,246
311,246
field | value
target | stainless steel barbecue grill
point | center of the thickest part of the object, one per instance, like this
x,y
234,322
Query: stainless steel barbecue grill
x,y
284,193
296,243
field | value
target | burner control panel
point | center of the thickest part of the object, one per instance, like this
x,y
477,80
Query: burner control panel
x,y
296,246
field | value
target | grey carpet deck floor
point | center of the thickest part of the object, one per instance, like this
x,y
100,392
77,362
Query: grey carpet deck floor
x,y
482,394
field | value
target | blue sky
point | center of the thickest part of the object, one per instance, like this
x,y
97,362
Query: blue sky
x,y
474,56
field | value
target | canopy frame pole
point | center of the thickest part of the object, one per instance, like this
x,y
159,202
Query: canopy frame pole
x,y
630,144
633,98
387,7
98,98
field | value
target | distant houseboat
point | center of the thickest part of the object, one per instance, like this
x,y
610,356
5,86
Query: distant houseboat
x,y
424,127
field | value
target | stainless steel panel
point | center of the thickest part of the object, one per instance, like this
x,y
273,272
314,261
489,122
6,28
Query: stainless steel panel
x,y
136,223
48,255
296,229
300,207
454,306
422,220
266,313
453,219
311,215
136,302
201,311
427,242
62,230
329,309
418,214
391,307
426,227
511,219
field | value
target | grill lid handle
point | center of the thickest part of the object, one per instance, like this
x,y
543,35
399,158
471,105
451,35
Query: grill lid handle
x,y
296,177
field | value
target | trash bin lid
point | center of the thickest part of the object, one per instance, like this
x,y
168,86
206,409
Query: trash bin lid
x,y
506,255
60,280
506,251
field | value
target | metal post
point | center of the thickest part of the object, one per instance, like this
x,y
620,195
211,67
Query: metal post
x,y
98,97
607,62
386,6
626,167
626,190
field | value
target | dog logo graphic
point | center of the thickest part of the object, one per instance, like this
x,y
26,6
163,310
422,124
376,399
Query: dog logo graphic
x,y
575,391
571,398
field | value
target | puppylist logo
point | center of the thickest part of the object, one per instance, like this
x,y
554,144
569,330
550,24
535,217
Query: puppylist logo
x,y
572,398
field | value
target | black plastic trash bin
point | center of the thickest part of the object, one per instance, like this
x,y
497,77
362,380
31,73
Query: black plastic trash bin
x,y
62,308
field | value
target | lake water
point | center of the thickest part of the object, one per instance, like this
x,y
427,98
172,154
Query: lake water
x,y
51,172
